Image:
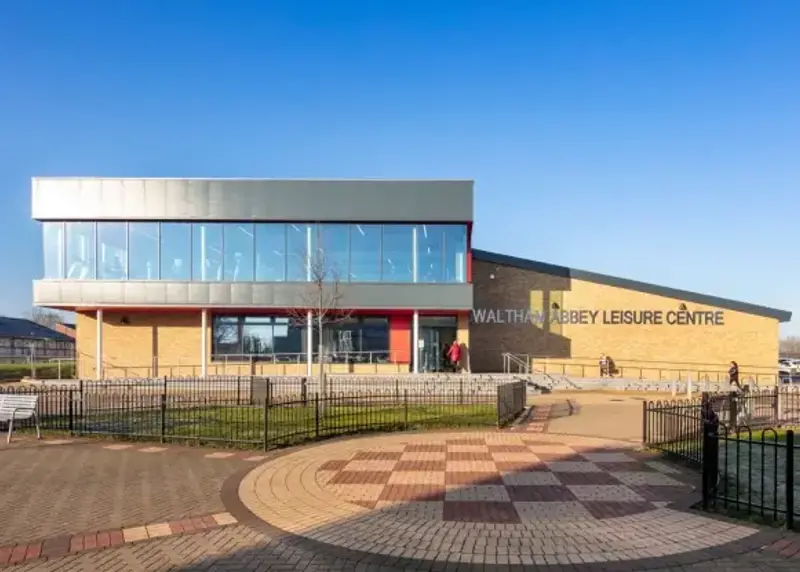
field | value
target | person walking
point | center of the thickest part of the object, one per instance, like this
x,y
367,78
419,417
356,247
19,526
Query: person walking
x,y
603,365
733,375
454,353
742,401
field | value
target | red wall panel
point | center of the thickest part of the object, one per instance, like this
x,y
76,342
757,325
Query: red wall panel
x,y
400,337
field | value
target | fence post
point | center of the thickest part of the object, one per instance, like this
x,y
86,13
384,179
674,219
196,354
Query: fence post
x,y
461,391
405,409
163,415
790,479
645,440
71,421
710,457
316,415
396,389
777,405
266,422
238,390
80,386
165,385
304,391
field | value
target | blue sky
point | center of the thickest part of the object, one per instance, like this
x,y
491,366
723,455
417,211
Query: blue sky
x,y
652,140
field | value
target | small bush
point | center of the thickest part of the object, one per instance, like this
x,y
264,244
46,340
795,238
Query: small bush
x,y
48,370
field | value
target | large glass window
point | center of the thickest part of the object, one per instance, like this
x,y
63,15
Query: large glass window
x,y
238,240
207,252
53,242
455,253
356,339
365,252
397,255
260,252
112,250
80,250
332,252
143,250
297,265
226,336
176,251
430,253
270,252
266,338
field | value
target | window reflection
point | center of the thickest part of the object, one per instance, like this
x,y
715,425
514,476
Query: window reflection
x,y
397,255
270,252
297,238
332,252
80,250
359,339
238,241
143,250
53,242
266,338
207,252
112,244
261,252
430,253
455,253
176,250
365,252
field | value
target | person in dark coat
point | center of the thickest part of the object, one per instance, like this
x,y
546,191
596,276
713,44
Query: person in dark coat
x,y
733,375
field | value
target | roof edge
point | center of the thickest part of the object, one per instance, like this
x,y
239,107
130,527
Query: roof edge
x,y
259,179
644,287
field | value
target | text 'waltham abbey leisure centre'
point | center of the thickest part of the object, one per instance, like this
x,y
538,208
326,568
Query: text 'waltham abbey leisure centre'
x,y
605,317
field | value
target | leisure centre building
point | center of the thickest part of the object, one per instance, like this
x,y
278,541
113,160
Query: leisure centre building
x,y
216,276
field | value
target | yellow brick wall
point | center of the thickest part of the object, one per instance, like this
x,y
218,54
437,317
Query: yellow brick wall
x,y
168,344
129,349
649,351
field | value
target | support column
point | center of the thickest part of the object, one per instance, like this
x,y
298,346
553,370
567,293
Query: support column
x,y
310,344
415,321
204,343
310,318
98,351
415,341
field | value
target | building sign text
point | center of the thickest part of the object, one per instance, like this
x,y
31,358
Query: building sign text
x,y
605,317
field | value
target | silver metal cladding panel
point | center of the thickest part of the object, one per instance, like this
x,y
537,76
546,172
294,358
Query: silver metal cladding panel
x,y
257,200
92,293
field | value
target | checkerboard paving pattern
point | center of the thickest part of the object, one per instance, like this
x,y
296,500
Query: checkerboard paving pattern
x,y
483,480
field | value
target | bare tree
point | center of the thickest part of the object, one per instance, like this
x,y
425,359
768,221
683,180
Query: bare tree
x,y
790,346
44,317
322,299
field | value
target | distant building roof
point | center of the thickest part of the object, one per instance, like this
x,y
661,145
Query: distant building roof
x,y
22,328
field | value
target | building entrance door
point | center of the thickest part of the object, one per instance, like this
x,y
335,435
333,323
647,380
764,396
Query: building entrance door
x,y
436,334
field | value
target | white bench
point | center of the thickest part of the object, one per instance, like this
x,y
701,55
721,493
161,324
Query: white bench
x,y
15,406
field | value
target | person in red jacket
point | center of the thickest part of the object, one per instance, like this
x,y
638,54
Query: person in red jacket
x,y
454,353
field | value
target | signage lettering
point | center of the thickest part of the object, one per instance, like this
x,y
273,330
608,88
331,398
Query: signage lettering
x,y
604,317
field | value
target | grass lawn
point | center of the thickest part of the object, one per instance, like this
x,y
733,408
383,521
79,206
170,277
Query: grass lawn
x,y
286,425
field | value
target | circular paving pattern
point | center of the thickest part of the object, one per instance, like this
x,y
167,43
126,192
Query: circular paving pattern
x,y
492,498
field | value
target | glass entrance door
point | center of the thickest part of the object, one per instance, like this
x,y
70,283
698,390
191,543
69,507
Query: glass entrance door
x,y
436,334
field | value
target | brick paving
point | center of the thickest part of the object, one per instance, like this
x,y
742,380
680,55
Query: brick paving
x,y
96,540
49,491
505,482
626,508
468,528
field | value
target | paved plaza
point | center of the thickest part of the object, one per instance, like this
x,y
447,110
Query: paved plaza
x,y
526,498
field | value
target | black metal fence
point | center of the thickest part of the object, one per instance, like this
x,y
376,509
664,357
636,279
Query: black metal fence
x,y
510,401
743,443
234,412
751,473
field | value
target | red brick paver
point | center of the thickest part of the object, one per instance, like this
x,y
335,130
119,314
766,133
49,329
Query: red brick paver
x,y
61,546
